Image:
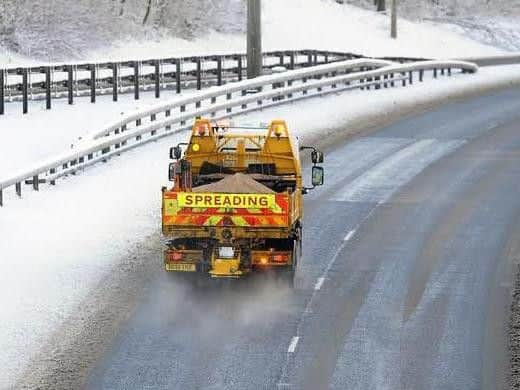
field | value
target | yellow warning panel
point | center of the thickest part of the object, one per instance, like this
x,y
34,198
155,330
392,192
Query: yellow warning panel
x,y
229,201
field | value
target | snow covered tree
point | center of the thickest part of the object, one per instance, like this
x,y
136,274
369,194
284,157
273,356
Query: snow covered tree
x,y
59,29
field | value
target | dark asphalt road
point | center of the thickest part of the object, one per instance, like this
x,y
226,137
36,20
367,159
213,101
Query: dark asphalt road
x,y
404,282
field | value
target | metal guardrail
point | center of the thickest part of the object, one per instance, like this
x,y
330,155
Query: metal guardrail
x,y
506,59
257,83
224,101
51,81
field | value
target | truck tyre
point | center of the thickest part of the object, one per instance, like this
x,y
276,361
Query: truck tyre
x,y
287,274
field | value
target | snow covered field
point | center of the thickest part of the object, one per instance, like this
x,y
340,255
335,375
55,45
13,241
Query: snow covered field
x,y
307,24
61,242
500,32
315,24
493,23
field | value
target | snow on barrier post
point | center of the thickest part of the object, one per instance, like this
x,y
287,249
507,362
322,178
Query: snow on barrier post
x,y
221,102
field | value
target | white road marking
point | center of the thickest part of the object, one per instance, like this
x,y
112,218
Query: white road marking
x,y
360,155
321,279
319,283
307,310
294,343
376,185
317,287
380,182
349,235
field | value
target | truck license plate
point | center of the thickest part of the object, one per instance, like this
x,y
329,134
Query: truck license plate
x,y
181,267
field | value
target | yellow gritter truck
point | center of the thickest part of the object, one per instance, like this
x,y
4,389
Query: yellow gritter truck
x,y
236,201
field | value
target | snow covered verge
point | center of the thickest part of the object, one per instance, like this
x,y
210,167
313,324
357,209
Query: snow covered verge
x,y
293,24
499,31
419,9
9,59
493,23
319,24
84,238
27,139
61,29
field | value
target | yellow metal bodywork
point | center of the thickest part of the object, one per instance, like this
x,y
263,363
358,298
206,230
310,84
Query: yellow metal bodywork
x,y
225,268
275,147
214,145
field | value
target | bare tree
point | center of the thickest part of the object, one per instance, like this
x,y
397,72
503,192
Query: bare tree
x,y
148,11
122,9
65,29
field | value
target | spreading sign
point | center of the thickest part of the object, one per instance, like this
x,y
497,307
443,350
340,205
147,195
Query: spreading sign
x,y
233,201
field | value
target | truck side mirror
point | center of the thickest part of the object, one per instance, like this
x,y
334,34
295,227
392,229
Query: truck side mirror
x,y
317,157
171,172
317,176
176,153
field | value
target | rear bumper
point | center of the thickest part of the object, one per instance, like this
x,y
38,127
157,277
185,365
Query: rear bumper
x,y
220,233
183,260
226,268
193,261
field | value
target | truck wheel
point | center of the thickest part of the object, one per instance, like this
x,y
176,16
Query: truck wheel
x,y
287,275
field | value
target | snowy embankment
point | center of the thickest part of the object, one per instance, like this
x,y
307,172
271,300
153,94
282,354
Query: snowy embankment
x,y
41,134
60,243
316,24
501,32
293,24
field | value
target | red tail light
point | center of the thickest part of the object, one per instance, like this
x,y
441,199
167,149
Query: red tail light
x,y
279,258
175,256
